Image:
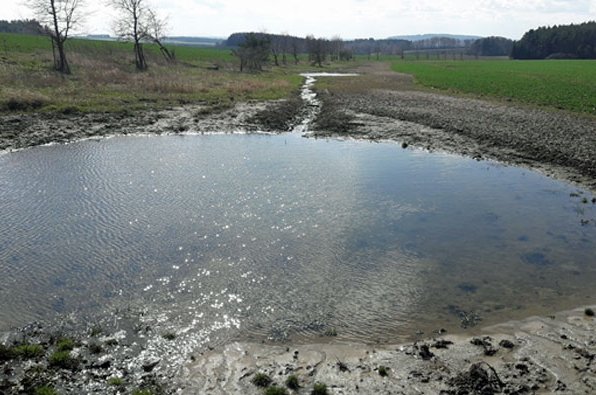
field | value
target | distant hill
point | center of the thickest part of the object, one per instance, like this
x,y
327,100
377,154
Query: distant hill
x,y
421,37
196,41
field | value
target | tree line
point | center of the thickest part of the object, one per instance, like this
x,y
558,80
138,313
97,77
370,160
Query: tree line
x,y
26,26
565,41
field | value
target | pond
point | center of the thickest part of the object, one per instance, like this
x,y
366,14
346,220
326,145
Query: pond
x,y
282,237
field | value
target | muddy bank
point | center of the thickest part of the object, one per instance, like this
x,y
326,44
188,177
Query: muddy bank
x,y
536,355
30,129
385,105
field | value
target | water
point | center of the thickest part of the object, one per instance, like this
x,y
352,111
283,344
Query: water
x,y
282,237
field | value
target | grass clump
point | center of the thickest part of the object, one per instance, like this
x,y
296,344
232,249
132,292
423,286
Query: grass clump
x,y
63,359
116,381
95,348
292,382
143,392
275,390
261,380
65,344
45,390
29,351
589,312
319,389
383,371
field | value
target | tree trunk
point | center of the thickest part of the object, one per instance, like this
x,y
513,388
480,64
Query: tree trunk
x,y
140,62
62,64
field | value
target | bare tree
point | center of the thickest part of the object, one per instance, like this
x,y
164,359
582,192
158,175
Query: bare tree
x,y
133,25
156,28
253,52
58,17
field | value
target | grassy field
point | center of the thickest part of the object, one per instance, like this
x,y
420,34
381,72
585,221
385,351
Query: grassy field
x,y
563,84
104,79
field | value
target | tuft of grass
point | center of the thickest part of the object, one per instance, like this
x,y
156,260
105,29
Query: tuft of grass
x,y
275,390
65,344
116,381
45,390
383,371
292,382
589,312
96,330
143,392
29,351
63,359
563,84
319,389
261,380
331,332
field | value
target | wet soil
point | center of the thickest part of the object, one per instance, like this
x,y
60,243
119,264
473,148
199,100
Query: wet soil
x,y
514,358
21,130
380,104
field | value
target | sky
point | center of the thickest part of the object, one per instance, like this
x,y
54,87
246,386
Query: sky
x,y
345,18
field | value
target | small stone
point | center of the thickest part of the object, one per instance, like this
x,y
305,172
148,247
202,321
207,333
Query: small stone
x,y
150,364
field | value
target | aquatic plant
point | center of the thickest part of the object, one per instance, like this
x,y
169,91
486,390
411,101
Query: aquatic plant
x,y
319,389
292,382
261,380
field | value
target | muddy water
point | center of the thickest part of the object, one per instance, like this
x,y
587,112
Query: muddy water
x,y
281,237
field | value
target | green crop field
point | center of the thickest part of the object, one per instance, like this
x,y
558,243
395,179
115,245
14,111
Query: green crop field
x,y
563,84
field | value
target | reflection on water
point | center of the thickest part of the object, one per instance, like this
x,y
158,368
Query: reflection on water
x,y
283,237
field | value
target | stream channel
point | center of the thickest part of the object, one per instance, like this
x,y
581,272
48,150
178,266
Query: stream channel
x,y
284,238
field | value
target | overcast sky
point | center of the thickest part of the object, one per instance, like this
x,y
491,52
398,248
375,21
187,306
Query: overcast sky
x,y
346,18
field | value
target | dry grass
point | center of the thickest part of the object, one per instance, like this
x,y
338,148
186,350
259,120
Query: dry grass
x,y
104,79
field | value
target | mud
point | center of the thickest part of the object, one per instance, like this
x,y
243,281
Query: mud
x,y
29,129
388,106
536,355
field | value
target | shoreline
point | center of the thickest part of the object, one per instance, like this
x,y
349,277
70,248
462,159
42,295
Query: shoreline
x,y
534,355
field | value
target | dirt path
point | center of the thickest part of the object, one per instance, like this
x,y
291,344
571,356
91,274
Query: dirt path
x,y
381,104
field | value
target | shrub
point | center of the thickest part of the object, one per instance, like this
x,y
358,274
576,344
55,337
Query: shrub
x,y
261,380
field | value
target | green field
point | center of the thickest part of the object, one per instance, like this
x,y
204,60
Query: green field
x,y
562,84
104,77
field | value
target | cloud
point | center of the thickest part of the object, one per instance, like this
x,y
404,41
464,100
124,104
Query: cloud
x,y
351,18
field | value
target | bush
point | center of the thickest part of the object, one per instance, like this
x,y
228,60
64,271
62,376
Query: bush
x,y
261,380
